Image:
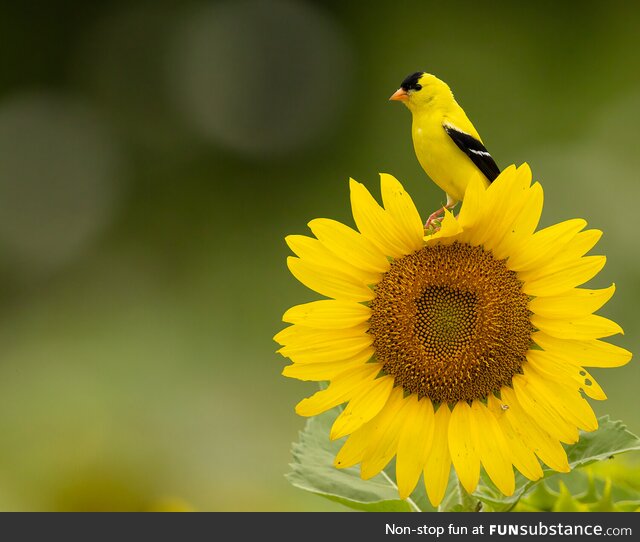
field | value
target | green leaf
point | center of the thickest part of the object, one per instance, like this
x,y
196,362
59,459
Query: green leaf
x,y
494,500
312,470
456,498
567,503
611,438
541,497
586,489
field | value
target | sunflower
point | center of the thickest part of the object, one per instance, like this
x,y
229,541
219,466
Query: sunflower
x,y
466,347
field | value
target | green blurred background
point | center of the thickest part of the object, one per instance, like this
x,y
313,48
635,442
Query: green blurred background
x,y
153,155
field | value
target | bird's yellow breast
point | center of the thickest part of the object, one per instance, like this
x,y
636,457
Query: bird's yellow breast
x,y
449,167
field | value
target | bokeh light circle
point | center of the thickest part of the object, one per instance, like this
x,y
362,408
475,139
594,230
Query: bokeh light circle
x,y
260,77
59,172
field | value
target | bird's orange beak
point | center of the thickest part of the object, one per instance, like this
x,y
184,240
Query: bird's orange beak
x,y
399,95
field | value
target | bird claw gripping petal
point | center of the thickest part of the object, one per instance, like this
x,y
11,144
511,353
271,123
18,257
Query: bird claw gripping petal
x,y
434,218
434,227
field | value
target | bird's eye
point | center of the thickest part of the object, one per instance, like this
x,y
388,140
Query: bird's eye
x,y
411,81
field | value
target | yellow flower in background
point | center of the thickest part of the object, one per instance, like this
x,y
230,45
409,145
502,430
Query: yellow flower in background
x,y
465,347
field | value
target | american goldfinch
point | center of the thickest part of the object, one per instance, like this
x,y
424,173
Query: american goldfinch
x,y
447,145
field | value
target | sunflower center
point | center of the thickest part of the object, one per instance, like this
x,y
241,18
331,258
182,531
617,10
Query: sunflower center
x,y
450,322
445,317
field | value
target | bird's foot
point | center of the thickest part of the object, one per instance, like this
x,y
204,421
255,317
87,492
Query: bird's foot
x,y
434,217
434,227
434,222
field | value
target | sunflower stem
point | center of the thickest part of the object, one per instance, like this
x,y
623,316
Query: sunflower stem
x,y
467,503
409,500
457,499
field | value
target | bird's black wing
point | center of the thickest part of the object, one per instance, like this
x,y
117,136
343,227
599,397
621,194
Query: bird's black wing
x,y
475,150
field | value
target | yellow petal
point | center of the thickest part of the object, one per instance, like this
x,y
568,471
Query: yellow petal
x,y
536,404
505,201
309,345
353,449
574,303
297,335
313,251
329,282
383,435
375,223
362,407
581,244
349,245
562,398
547,448
520,455
523,226
326,370
572,275
474,221
331,350
491,209
544,245
464,455
402,210
340,390
592,353
438,463
500,185
328,314
493,449
473,204
448,232
413,446
572,252
553,368
283,336
338,353
589,385
580,329
523,175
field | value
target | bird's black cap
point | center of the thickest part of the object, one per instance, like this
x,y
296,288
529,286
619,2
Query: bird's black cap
x,y
411,81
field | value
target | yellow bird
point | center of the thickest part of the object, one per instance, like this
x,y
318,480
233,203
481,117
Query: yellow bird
x,y
447,145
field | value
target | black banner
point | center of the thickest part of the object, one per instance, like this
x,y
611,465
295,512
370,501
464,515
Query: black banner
x,y
329,527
